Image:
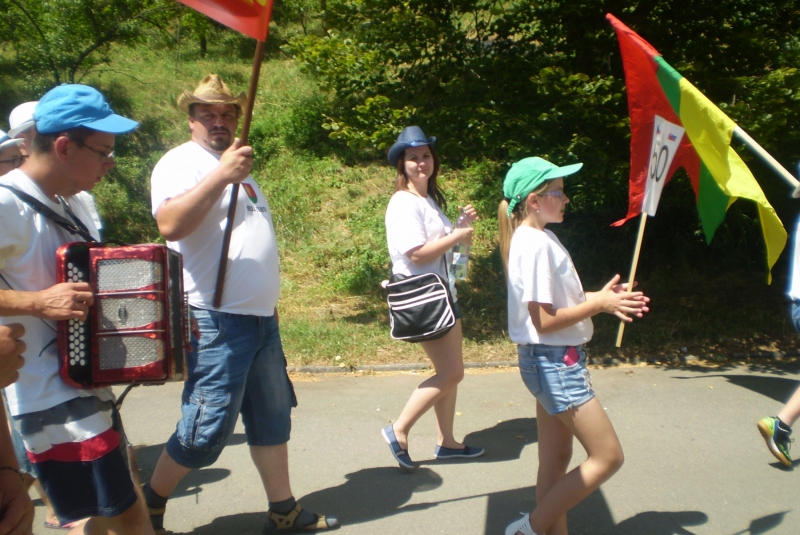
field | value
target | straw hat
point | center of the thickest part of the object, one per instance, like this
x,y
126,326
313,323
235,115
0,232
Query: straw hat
x,y
212,90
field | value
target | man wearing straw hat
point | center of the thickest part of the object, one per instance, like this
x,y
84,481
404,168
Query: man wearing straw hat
x,y
238,364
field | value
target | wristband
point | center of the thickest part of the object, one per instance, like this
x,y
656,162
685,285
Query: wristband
x,y
13,470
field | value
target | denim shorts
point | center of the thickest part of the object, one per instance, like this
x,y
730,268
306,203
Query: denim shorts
x,y
238,367
556,385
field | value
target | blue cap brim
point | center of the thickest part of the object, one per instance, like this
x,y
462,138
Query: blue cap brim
x,y
561,172
113,124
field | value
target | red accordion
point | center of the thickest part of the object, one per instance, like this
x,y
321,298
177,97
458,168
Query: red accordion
x,y
137,330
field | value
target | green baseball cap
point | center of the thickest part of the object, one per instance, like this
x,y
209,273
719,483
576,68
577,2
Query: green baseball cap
x,y
528,174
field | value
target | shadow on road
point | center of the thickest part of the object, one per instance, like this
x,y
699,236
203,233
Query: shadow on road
x,y
778,388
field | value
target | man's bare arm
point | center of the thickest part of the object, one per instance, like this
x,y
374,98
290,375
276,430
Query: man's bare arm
x,y
178,217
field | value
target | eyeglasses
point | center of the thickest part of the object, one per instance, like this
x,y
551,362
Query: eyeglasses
x,y
555,193
106,156
16,161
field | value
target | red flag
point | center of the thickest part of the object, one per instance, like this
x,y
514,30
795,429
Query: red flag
x,y
658,94
250,17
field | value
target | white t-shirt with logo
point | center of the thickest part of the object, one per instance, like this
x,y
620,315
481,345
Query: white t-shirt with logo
x,y
28,244
412,221
252,277
540,270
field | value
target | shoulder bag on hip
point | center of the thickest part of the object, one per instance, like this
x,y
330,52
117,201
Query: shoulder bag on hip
x,y
420,307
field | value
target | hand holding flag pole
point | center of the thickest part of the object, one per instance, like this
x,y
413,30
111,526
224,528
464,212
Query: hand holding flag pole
x,y
250,17
673,125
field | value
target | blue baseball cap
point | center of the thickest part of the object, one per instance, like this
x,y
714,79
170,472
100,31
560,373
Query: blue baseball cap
x,y
71,106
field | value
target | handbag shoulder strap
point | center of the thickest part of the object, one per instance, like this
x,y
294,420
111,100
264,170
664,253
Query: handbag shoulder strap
x,y
74,227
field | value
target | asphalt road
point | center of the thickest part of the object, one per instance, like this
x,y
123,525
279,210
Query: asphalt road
x,y
695,463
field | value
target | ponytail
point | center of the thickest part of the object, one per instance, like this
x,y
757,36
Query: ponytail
x,y
506,226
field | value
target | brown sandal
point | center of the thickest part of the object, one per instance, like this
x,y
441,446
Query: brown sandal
x,y
286,522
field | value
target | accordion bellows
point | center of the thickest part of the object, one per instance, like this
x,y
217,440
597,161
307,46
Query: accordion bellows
x,y
137,329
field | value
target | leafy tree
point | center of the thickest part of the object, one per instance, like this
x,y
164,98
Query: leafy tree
x,y
504,79
69,38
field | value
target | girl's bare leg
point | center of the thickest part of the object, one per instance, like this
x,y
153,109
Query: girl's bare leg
x,y
591,426
555,453
438,391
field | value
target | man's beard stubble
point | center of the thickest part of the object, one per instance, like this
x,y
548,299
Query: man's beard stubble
x,y
220,144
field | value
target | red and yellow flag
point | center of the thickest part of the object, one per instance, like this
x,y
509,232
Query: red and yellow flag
x,y
250,17
718,174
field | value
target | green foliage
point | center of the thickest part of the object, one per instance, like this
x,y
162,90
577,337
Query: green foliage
x,y
494,81
503,80
69,38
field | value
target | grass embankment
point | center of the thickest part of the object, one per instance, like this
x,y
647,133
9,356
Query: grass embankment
x,y
329,222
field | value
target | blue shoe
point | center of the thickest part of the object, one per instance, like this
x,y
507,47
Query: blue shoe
x,y
399,453
449,453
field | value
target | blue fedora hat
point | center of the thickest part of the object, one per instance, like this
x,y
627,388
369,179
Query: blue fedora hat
x,y
411,136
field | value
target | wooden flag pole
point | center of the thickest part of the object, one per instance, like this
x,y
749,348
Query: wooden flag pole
x,y
248,118
767,158
634,263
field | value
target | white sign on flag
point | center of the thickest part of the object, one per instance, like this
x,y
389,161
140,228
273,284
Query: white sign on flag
x,y
666,138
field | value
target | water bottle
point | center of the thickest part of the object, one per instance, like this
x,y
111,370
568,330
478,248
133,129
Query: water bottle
x,y
458,267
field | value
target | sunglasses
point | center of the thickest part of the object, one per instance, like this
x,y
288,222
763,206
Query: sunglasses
x,y
16,161
555,193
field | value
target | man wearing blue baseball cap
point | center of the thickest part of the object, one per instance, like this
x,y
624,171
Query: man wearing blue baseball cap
x,y
73,437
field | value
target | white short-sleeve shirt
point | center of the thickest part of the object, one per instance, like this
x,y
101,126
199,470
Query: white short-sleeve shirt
x,y
412,221
28,245
540,270
252,278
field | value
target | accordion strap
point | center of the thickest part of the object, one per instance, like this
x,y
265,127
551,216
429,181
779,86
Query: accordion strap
x,y
74,227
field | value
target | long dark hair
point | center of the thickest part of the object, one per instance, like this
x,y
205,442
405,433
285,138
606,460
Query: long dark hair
x,y
401,182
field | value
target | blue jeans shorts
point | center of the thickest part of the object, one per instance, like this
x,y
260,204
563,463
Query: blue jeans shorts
x,y
556,385
238,366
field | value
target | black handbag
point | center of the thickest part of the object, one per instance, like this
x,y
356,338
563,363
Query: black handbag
x,y
420,307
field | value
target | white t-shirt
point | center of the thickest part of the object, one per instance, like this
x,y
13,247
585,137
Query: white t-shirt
x,y
794,280
411,222
252,277
540,270
82,205
28,244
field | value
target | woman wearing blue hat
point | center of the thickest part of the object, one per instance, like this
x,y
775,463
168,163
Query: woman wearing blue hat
x,y
549,318
420,238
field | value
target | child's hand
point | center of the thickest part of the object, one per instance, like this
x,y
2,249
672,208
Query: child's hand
x,y
470,212
616,299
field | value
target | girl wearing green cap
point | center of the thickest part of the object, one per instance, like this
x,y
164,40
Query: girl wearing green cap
x,y
549,318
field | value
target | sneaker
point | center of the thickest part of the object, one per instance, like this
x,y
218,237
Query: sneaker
x,y
523,525
778,440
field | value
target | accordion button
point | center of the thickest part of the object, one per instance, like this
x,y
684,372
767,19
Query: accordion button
x,y
83,362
